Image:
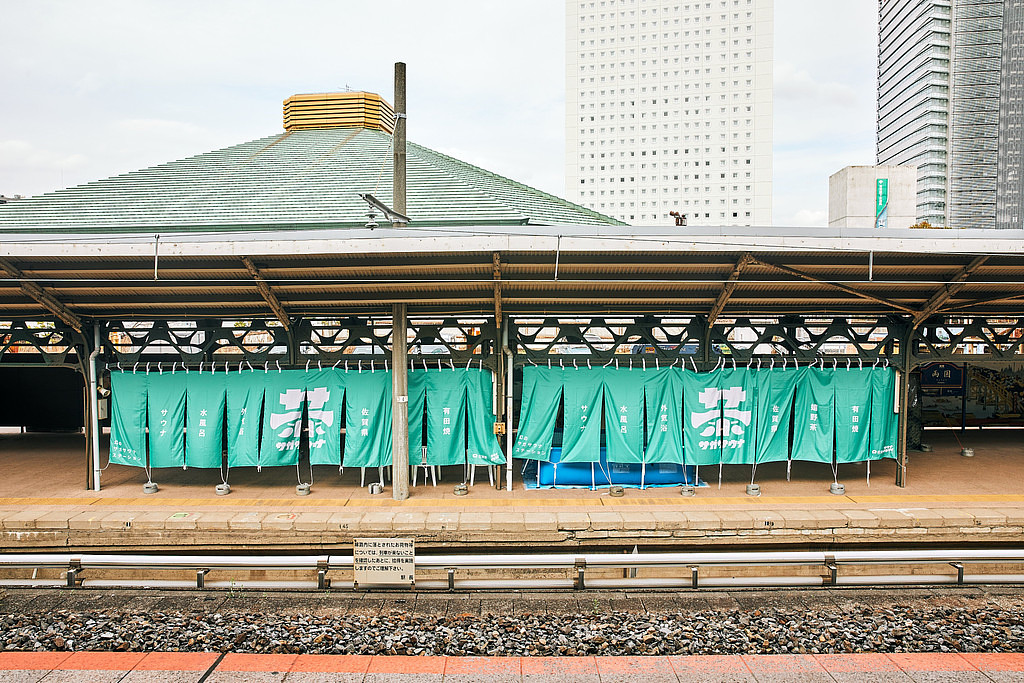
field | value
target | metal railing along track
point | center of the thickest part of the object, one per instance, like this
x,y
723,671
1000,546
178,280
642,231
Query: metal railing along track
x,y
77,567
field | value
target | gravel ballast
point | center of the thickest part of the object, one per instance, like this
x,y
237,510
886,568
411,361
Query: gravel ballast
x,y
759,631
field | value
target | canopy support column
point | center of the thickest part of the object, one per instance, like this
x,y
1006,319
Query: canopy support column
x,y
399,403
93,404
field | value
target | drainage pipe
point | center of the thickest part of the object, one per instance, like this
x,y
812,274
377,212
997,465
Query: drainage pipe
x,y
94,408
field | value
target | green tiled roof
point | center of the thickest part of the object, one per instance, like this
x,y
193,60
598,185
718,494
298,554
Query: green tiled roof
x,y
299,179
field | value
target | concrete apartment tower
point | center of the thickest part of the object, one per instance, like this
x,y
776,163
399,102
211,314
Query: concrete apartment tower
x,y
669,109
950,88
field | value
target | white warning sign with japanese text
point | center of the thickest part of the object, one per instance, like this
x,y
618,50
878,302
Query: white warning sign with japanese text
x,y
383,561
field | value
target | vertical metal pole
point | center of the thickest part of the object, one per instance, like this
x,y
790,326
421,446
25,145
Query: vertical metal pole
x,y
963,401
399,404
906,349
94,409
509,384
398,183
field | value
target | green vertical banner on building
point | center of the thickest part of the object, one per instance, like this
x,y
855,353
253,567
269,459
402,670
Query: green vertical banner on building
x,y
128,418
167,419
775,392
582,390
853,414
702,418
204,418
814,421
417,384
446,418
738,388
663,391
883,431
325,398
538,413
284,398
368,419
882,203
484,448
244,403
624,414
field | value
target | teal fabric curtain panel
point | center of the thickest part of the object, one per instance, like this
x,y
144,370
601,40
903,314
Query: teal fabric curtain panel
x,y
883,432
368,419
446,417
775,392
538,413
325,398
204,418
285,396
128,392
484,448
166,397
582,391
417,403
663,392
815,416
853,414
739,405
624,414
702,418
244,407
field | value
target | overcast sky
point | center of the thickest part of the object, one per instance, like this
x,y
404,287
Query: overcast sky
x,y
94,88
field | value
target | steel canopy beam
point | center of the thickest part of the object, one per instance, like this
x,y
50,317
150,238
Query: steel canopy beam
x,y
267,293
949,290
41,296
834,285
727,288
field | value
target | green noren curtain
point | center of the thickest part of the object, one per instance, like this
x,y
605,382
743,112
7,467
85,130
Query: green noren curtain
x,y
884,419
702,418
325,398
368,419
166,397
285,396
775,391
244,405
417,403
582,391
128,418
738,388
853,413
484,448
446,417
814,421
204,418
624,414
663,390
538,413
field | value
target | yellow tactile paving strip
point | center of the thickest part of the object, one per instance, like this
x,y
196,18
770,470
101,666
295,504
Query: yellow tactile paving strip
x,y
604,501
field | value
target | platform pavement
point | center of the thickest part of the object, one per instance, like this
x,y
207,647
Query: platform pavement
x,y
177,667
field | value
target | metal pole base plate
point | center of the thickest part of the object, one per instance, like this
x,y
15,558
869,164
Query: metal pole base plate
x,y
150,487
753,489
302,490
222,489
688,491
461,489
837,489
967,452
616,491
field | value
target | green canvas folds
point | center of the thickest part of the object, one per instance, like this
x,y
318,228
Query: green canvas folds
x,y
166,396
446,417
204,418
128,392
853,414
738,387
883,432
582,392
538,413
284,399
484,448
368,419
814,421
624,414
663,392
244,407
702,418
325,398
775,391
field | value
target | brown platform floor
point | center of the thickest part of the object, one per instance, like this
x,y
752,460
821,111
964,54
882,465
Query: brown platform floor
x,y
49,470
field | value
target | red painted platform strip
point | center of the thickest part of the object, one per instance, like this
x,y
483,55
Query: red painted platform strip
x,y
348,664
14,661
177,661
243,662
630,668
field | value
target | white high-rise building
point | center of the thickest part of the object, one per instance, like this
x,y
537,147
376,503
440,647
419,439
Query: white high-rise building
x,y
669,109
950,94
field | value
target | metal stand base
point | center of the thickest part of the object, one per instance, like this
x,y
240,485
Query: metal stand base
x,y
150,487
375,488
688,491
616,491
837,489
222,489
753,489
302,490
461,489
967,452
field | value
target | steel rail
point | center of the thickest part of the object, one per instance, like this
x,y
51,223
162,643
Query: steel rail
x,y
576,565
